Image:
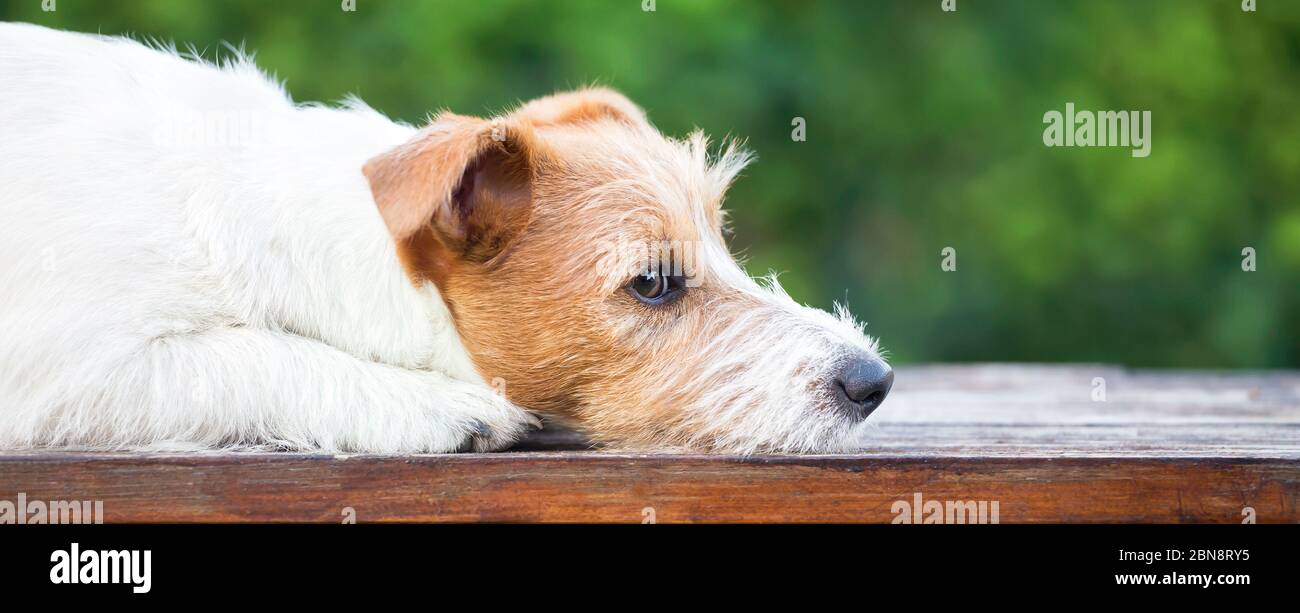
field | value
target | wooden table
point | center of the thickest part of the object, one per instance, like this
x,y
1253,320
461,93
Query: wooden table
x,y
1039,441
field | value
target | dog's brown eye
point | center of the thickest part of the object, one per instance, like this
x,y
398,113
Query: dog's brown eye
x,y
651,287
648,285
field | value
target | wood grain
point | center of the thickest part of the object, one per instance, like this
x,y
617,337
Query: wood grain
x,y
595,487
1162,447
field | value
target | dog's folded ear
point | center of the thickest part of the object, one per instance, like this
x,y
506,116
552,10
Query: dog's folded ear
x,y
468,180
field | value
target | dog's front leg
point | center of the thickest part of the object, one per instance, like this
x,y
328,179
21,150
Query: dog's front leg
x,y
243,386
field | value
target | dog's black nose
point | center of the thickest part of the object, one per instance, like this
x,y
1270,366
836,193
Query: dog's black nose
x,y
863,385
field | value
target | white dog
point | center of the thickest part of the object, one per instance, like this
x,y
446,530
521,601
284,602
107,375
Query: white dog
x,y
189,259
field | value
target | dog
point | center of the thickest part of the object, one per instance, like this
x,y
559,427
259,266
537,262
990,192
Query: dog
x,y
190,260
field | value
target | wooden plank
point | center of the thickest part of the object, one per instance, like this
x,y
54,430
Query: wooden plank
x,y
946,440
1162,447
1019,394
598,487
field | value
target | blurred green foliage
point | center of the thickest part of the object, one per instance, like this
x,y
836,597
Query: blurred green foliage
x,y
924,130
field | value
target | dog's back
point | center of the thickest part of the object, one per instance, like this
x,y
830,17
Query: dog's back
x,y
89,242
148,197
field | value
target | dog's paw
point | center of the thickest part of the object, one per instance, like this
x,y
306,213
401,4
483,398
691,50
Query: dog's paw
x,y
491,422
439,414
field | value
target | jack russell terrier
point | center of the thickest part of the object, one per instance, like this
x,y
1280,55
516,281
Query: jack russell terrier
x,y
191,260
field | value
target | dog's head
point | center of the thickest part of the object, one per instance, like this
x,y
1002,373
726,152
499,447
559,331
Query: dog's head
x,y
581,254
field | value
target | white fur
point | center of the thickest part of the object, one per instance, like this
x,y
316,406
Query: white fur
x,y
188,258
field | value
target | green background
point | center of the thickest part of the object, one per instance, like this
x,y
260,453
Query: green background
x,y
924,130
